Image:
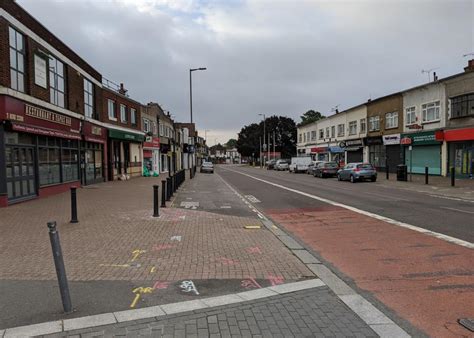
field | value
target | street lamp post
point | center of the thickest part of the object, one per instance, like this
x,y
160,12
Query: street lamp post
x,y
191,70
264,134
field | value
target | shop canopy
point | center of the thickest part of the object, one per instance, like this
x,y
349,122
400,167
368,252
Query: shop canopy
x,y
335,149
126,135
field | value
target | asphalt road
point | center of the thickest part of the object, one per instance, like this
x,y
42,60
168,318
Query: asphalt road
x,y
447,216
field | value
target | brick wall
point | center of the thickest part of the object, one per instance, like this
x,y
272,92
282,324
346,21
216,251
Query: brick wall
x,y
75,90
32,48
4,54
120,99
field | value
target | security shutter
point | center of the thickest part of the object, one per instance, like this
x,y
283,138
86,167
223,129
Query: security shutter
x,y
424,156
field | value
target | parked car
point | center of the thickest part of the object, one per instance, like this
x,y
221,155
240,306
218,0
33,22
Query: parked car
x,y
357,171
299,164
311,166
281,165
325,169
207,167
270,164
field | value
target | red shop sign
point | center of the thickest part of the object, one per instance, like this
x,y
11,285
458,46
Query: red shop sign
x,y
94,133
405,141
152,142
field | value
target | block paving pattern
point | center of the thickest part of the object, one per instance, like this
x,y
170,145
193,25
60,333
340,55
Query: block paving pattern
x,y
310,313
118,239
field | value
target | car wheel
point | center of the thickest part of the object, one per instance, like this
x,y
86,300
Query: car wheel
x,y
353,180
373,179
339,177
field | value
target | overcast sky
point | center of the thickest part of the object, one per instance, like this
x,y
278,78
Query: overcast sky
x,y
272,57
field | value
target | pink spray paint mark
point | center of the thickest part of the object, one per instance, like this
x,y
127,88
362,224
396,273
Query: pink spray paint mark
x,y
250,283
161,285
254,250
275,280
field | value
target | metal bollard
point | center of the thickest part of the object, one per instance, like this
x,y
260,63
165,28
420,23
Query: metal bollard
x,y
156,210
426,175
191,173
59,264
74,205
387,172
453,176
163,194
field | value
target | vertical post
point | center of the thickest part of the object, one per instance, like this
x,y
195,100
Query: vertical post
x,y
386,170
156,211
60,269
453,176
190,173
163,194
411,161
168,188
74,205
260,152
426,175
191,94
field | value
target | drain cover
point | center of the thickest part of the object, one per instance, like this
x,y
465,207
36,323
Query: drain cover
x,y
468,323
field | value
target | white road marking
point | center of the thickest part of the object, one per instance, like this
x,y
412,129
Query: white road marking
x,y
452,198
467,212
226,207
252,198
366,213
190,205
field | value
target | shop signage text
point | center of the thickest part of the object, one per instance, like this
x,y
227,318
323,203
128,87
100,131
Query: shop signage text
x,y
152,142
421,138
42,114
352,143
391,139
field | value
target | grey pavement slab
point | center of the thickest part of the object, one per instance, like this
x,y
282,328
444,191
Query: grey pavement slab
x,y
338,286
257,294
33,330
148,312
306,257
292,287
89,321
222,300
183,306
389,331
369,313
290,242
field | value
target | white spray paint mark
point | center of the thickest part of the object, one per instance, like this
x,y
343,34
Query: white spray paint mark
x,y
188,286
190,205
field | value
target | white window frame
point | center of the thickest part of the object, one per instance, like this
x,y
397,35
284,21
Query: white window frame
x,y
333,131
410,116
327,132
300,138
88,99
435,107
146,125
17,59
57,82
112,109
340,130
321,134
162,130
313,135
374,123
123,113
391,120
363,126
133,116
353,127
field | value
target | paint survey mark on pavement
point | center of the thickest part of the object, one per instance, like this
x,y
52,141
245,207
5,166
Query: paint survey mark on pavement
x,y
188,286
190,205
226,207
252,198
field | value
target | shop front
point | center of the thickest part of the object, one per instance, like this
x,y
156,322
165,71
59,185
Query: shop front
x,y
354,150
39,151
376,151
422,149
93,153
461,151
124,153
165,159
151,156
320,153
393,155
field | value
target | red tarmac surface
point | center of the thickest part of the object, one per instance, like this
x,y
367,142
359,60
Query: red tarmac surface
x,y
425,280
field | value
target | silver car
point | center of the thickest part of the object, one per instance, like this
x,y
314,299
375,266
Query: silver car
x,y
207,167
357,171
281,165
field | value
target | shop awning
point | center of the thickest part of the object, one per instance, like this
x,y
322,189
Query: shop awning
x,y
126,135
352,148
336,149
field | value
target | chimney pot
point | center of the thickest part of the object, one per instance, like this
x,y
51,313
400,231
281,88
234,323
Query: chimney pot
x,y
470,66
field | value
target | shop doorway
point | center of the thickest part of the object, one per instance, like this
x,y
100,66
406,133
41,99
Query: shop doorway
x,y
126,156
21,176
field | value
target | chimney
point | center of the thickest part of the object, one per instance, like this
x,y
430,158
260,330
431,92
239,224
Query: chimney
x,y
435,77
470,66
122,90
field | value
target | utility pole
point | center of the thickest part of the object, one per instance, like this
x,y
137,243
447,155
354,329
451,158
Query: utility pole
x,y
274,143
260,153
268,147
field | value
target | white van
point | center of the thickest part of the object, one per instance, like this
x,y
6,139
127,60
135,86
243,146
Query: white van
x,y
299,164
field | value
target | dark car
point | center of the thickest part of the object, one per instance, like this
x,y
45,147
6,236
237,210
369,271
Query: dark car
x,y
312,166
270,164
326,169
357,171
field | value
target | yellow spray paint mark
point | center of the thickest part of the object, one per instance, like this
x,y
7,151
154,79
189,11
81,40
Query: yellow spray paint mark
x,y
274,227
116,265
252,227
153,269
138,292
136,253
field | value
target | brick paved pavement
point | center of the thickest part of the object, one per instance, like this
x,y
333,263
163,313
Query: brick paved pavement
x,y
314,312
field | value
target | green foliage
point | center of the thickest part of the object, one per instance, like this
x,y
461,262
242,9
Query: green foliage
x,y
309,117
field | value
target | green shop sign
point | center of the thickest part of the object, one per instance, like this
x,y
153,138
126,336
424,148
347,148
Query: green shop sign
x,y
123,135
420,138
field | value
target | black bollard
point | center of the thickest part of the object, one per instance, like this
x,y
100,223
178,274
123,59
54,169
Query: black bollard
x,y
74,205
191,173
163,194
453,176
60,269
426,175
387,172
156,210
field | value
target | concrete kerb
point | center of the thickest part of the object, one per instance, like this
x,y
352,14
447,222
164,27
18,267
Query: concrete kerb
x,y
156,311
372,316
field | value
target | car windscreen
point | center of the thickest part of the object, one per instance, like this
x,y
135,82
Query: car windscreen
x,y
330,165
207,164
365,166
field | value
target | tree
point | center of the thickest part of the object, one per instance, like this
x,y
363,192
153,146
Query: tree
x,y
309,117
232,143
248,141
